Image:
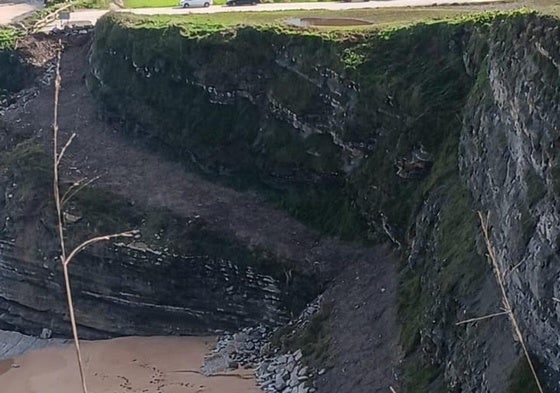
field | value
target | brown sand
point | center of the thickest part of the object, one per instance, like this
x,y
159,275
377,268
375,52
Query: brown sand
x,y
123,365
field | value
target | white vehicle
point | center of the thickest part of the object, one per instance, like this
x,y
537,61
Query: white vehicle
x,y
195,3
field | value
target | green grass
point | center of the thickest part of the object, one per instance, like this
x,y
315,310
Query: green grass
x,y
29,166
98,4
313,339
521,378
422,377
8,37
380,18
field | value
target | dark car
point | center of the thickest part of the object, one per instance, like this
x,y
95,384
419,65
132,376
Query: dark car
x,y
242,2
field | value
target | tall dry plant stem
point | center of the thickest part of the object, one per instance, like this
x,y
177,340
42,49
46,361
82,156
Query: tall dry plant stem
x,y
505,301
65,257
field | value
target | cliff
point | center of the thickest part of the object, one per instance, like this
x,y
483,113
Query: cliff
x,y
398,135
375,137
176,276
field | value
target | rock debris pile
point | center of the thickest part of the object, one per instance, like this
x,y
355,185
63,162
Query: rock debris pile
x,y
286,374
251,348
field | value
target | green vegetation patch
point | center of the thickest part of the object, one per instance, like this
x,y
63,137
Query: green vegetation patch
x,y
9,37
380,18
52,5
451,275
98,4
29,166
522,379
313,339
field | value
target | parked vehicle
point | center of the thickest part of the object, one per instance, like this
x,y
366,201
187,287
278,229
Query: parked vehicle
x,y
195,3
242,2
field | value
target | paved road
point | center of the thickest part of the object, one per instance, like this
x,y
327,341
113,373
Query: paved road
x,y
13,10
92,15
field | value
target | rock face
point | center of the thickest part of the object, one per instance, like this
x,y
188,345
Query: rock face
x,y
341,120
510,159
122,290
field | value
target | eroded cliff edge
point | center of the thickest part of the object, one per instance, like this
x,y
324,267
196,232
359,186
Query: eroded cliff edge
x,y
207,257
402,135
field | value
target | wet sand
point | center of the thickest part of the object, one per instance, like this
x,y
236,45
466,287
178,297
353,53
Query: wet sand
x,y
123,365
5,365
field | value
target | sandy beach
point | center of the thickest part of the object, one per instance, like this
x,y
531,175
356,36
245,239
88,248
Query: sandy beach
x,y
123,365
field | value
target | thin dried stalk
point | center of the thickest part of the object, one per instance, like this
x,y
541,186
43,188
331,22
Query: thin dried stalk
x,y
94,240
392,390
76,188
514,268
60,224
505,301
66,145
482,318
73,186
65,258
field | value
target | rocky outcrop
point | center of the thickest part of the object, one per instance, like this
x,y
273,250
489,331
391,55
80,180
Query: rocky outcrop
x,y
131,289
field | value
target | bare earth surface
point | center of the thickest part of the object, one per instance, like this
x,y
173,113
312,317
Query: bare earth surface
x,y
364,280
131,365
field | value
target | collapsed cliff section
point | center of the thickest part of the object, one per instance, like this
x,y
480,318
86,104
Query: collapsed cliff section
x,y
184,221
176,276
398,135
23,60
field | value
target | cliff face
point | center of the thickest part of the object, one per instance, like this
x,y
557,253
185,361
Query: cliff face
x,y
509,158
176,276
397,136
400,135
133,291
